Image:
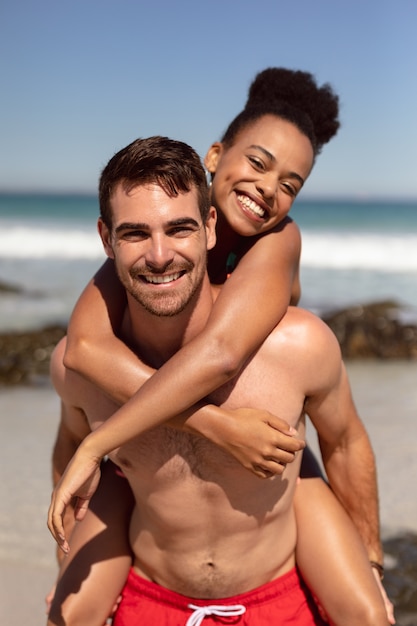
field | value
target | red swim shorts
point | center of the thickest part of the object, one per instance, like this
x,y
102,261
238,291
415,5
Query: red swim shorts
x,y
285,601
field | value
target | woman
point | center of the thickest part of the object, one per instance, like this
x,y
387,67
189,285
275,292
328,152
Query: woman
x,y
253,190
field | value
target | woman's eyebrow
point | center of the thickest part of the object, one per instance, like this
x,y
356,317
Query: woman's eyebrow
x,y
297,177
265,152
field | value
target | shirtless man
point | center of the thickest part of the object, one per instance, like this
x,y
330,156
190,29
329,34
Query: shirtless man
x,y
209,538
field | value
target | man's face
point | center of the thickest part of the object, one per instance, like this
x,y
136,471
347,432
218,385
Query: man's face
x,y
159,245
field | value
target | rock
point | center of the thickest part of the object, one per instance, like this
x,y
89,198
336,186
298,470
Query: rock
x,y
9,288
368,331
25,356
400,580
374,331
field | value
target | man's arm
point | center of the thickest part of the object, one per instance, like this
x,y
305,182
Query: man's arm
x,y
100,553
100,557
345,447
350,463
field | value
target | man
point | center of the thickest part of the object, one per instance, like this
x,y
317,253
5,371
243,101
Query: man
x,y
208,537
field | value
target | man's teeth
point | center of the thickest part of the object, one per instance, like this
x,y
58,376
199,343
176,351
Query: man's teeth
x,y
158,280
251,205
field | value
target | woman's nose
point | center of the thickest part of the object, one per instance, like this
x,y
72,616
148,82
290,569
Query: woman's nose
x,y
268,185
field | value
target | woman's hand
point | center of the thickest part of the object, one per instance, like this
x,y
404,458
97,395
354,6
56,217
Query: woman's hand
x,y
80,481
260,441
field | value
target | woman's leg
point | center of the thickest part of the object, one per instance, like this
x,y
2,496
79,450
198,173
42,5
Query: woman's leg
x,y
94,572
331,556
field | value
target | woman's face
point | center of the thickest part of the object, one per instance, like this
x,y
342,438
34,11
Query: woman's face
x,y
257,178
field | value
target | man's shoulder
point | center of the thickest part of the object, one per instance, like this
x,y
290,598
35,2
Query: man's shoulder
x,y
302,331
305,346
69,385
305,321
57,367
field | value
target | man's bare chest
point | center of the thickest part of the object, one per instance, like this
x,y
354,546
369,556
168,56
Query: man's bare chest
x,y
174,453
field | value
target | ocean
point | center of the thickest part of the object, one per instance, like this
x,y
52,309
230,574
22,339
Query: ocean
x,y
353,252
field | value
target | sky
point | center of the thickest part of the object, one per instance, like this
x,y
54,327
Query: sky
x,y
80,79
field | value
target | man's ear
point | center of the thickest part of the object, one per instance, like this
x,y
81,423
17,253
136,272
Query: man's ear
x,y
105,235
211,228
213,156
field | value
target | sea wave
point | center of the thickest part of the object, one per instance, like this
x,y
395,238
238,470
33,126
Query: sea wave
x,y
331,250
40,243
362,251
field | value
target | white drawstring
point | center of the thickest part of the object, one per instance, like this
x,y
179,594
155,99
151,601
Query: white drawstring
x,y
200,612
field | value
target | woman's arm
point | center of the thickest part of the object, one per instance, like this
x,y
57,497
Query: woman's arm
x,y
249,306
93,347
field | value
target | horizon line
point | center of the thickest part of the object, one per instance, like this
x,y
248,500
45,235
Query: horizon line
x,y
309,197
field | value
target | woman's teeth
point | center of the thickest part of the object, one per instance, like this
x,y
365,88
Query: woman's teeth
x,y
251,205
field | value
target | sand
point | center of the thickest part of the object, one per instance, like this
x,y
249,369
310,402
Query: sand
x,y
385,393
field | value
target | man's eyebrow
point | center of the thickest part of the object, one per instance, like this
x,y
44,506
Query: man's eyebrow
x,y
181,221
273,159
131,226
184,221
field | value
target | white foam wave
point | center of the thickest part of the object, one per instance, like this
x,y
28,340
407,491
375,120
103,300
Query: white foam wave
x,y
331,250
38,243
387,253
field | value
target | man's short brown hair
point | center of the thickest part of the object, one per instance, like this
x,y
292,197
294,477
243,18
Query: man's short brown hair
x,y
173,165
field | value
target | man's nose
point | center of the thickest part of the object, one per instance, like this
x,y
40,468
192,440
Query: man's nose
x,y
159,253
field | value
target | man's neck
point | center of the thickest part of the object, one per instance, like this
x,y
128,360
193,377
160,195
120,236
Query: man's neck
x,y
155,339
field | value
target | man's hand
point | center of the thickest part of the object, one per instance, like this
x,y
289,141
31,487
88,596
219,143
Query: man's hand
x,y
260,441
48,599
80,480
388,604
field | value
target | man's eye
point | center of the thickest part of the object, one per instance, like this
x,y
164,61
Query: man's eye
x,y
181,231
134,234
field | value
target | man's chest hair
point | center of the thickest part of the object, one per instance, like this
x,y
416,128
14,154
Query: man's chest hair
x,y
173,454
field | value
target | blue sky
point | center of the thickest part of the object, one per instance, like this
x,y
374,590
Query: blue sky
x,y
81,79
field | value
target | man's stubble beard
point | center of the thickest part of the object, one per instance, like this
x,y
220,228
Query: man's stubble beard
x,y
161,304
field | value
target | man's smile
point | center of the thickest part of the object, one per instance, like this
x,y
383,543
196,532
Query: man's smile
x,y
157,279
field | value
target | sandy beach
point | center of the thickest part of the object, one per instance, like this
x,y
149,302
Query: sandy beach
x,y
385,393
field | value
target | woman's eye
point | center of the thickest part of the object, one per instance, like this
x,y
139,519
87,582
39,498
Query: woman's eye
x,y
256,163
289,189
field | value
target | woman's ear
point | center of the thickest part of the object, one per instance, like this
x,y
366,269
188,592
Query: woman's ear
x,y
213,156
211,228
